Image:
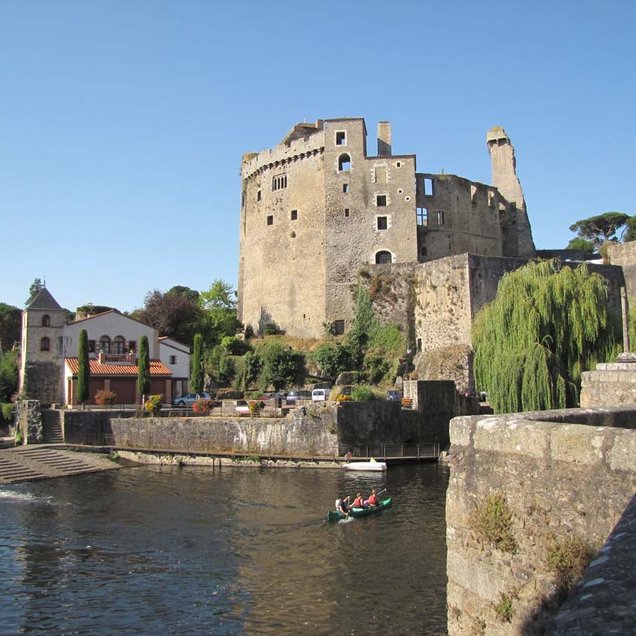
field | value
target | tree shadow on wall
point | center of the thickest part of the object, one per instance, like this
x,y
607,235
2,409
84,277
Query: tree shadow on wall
x,y
540,620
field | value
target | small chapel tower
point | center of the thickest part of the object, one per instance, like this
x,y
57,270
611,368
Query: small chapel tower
x,y
42,355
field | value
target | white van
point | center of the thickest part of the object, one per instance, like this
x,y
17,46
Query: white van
x,y
320,395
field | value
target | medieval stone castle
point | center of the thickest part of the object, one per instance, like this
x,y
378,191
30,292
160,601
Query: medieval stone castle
x,y
318,216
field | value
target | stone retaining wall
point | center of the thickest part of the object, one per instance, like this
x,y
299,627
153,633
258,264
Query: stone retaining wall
x,y
557,480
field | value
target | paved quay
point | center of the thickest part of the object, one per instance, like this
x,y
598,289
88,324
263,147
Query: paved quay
x,y
27,463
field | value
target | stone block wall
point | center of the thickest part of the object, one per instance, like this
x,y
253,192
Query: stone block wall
x,y
611,383
558,481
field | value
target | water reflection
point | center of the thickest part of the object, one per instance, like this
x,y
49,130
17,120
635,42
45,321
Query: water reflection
x,y
232,551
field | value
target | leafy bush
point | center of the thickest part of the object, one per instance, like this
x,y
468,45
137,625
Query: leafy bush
x,y
6,411
152,405
235,346
104,397
255,407
203,407
272,329
362,393
492,522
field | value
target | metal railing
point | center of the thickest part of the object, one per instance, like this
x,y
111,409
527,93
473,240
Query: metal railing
x,y
394,451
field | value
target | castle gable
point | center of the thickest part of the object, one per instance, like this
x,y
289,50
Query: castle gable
x,y
43,300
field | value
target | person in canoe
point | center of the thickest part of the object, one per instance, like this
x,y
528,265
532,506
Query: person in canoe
x,y
342,505
358,502
372,500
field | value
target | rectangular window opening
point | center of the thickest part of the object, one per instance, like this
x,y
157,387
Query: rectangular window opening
x,y
345,187
173,359
294,215
380,200
440,217
428,187
270,220
346,212
341,138
338,327
382,222
258,195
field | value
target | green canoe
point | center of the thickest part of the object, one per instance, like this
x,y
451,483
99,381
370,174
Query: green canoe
x,y
360,512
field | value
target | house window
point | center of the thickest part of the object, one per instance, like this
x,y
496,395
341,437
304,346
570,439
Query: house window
x,y
422,216
398,164
440,217
344,163
91,346
279,182
45,344
383,257
119,345
341,138
132,346
46,320
380,200
294,215
173,359
258,195
270,220
345,187
338,327
346,212
428,187
382,222
104,344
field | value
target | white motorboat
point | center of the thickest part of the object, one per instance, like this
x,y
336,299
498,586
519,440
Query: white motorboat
x,y
368,465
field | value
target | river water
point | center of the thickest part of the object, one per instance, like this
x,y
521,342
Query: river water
x,y
167,550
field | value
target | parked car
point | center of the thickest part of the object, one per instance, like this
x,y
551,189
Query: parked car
x,y
320,395
294,396
190,398
242,407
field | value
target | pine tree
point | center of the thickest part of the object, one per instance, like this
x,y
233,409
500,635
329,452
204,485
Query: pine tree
x,y
196,371
547,324
84,370
143,373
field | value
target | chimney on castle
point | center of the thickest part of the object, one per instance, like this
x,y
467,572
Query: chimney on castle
x,y
384,139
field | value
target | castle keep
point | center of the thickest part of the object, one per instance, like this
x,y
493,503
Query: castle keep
x,y
316,210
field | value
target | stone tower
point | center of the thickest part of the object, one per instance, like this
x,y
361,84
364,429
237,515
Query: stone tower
x,y
504,178
42,356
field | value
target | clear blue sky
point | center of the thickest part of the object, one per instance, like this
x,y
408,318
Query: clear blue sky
x,y
123,122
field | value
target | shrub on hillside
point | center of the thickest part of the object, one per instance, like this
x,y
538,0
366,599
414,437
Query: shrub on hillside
x,y
362,393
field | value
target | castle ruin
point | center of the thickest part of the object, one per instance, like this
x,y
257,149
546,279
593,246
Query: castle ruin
x,y
316,210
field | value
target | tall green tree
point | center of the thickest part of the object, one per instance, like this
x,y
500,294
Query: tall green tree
x,y
196,369
219,318
332,359
281,366
36,286
10,326
364,322
610,226
547,324
143,370
84,370
9,375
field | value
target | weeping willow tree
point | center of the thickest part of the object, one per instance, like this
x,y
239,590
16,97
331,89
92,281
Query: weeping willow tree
x,y
547,325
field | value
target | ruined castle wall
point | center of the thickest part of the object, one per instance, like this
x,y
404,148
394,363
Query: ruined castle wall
x,y
559,482
282,250
624,255
462,216
370,208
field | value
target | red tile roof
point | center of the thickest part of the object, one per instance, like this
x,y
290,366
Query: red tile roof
x,y
157,368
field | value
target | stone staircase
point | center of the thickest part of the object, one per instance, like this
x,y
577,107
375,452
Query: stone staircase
x,y
52,427
26,463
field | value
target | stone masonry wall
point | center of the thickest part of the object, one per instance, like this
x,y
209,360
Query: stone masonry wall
x,y
559,481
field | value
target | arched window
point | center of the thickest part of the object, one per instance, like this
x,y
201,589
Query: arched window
x,y
119,345
46,320
104,344
45,344
344,163
383,257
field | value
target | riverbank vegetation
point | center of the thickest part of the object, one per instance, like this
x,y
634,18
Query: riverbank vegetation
x,y
547,325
